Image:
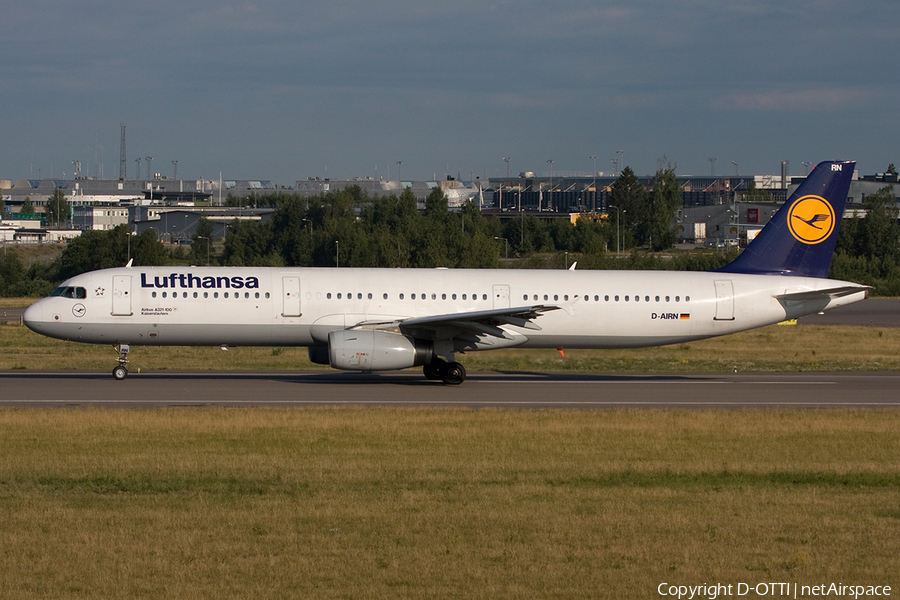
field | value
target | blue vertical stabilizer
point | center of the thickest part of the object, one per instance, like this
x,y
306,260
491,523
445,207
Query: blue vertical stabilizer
x,y
800,238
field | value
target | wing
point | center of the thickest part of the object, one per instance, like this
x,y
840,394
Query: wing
x,y
483,327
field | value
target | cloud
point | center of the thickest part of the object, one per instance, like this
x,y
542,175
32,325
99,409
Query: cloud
x,y
816,99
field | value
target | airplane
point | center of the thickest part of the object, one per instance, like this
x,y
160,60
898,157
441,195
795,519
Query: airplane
x,y
385,319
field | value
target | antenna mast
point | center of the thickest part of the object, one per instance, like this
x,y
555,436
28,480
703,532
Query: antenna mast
x,y
122,160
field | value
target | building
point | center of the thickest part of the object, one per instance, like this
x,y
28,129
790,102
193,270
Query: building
x,y
457,192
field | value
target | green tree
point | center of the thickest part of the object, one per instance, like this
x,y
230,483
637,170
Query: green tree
x,y
663,202
892,169
754,194
57,209
630,197
93,250
202,239
27,207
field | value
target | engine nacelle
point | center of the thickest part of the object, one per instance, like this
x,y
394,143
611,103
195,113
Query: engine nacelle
x,y
367,350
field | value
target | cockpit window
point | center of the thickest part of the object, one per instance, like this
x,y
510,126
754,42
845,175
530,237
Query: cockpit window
x,y
70,292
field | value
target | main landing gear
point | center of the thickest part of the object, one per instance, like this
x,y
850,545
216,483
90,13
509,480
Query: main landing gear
x,y
451,373
120,372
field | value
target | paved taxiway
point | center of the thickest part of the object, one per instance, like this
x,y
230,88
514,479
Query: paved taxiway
x,y
513,390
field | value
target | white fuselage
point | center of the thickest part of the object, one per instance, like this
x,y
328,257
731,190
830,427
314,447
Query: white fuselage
x,y
256,306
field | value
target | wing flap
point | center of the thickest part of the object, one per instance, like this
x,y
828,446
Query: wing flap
x,y
466,326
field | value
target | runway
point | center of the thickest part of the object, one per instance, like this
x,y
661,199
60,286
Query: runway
x,y
480,390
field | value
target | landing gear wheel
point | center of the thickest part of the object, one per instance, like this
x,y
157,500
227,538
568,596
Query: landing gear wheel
x,y
120,372
454,374
435,369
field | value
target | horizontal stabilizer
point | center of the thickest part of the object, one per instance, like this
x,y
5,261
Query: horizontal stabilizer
x,y
830,293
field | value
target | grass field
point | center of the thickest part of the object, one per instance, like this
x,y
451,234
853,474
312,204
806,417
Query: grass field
x,y
378,503
775,348
318,503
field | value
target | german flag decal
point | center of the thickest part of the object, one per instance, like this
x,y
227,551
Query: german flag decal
x,y
685,316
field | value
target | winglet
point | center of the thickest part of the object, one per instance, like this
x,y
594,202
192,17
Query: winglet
x,y
130,262
800,238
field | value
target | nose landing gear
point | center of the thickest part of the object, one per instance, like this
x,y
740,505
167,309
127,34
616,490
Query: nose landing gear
x,y
120,372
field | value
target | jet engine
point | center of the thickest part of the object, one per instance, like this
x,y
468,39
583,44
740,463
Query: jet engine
x,y
367,350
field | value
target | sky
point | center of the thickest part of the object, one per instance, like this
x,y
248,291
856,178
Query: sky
x,y
285,90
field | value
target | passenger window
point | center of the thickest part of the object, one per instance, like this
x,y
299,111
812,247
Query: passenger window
x,y
606,298
401,296
267,294
535,297
195,294
413,296
215,294
225,295
339,296
677,299
385,296
484,296
597,298
626,298
370,295
434,296
256,295
687,298
328,295
246,294
464,296
555,297
153,295
359,296
657,298
637,298
617,298
667,298
546,297
566,297
443,296
206,294
646,298
453,296
163,294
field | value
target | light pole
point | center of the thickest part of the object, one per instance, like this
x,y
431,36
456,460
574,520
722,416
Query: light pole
x,y
337,253
399,178
734,162
506,160
550,199
622,152
203,237
618,218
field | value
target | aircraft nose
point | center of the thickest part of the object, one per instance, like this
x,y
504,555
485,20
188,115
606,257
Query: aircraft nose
x,y
33,316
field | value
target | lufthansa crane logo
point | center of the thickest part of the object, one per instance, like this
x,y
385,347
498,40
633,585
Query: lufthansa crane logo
x,y
811,219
